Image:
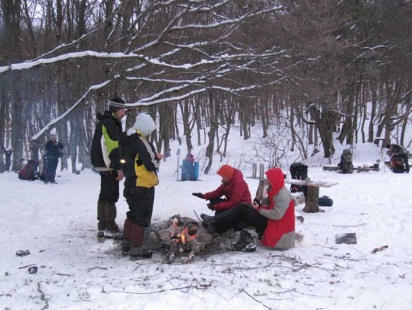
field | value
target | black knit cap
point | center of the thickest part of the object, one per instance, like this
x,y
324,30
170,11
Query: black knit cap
x,y
116,104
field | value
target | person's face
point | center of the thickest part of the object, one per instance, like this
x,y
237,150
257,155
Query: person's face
x,y
53,138
225,180
269,185
120,114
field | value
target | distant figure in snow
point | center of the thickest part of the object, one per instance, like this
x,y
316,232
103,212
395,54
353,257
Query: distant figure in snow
x,y
54,150
399,158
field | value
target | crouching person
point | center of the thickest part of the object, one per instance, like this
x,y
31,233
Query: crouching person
x,y
139,164
275,223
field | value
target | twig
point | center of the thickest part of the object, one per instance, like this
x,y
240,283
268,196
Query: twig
x,y
256,299
97,267
379,249
349,225
137,267
197,216
307,265
27,266
64,274
201,287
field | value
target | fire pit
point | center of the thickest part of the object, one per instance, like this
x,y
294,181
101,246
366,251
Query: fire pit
x,y
180,236
181,239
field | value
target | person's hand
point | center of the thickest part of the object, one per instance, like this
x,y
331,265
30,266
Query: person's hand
x,y
199,195
159,155
211,206
120,175
255,205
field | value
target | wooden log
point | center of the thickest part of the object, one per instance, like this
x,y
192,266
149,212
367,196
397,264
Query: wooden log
x,y
330,168
261,191
312,200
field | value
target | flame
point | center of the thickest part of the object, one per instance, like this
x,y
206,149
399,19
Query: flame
x,y
183,238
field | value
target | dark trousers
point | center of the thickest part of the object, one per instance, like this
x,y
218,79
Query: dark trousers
x,y
140,201
109,187
50,167
241,213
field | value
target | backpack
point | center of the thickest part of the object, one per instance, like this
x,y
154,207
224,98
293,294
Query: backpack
x,y
30,171
346,161
298,171
397,164
325,201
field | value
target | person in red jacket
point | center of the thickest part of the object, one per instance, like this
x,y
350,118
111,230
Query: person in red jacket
x,y
275,222
232,192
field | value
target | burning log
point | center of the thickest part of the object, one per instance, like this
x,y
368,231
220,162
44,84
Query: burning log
x,y
180,237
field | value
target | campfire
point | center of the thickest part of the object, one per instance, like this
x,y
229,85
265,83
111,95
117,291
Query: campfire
x,y
183,238
180,238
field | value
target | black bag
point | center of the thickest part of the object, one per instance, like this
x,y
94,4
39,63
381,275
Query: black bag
x,y
346,162
325,201
30,171
397,164
298,171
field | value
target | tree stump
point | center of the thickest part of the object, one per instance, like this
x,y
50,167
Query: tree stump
x,y
312,200
261,191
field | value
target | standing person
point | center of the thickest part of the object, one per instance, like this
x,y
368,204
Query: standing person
x,y
398,154
234,189
54,150
105,158
275,223
139,163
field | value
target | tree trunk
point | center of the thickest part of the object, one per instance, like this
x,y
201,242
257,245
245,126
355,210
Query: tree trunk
x,y
211,134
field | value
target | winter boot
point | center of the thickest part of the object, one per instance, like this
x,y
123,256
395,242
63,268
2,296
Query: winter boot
x,y
208,223
140,253
100,236
110,213
126,246
101,224
246,243
207,218
127,236
137,250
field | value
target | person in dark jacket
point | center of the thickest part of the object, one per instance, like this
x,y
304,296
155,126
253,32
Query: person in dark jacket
x,y
275,222
232,192
54,150
105,158
398,151
140,162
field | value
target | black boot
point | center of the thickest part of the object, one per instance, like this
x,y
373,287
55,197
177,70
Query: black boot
x,y
246,243
210,227
208,223
140,253
208,218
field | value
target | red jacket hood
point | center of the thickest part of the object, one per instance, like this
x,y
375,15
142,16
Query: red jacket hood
x,y
277,181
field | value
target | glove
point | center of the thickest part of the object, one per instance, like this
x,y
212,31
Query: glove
x,y
257,201
211,206
199,195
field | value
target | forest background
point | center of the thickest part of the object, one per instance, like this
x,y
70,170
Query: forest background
x,y
308,68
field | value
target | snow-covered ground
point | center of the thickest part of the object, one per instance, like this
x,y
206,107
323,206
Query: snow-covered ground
x,y
57,224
